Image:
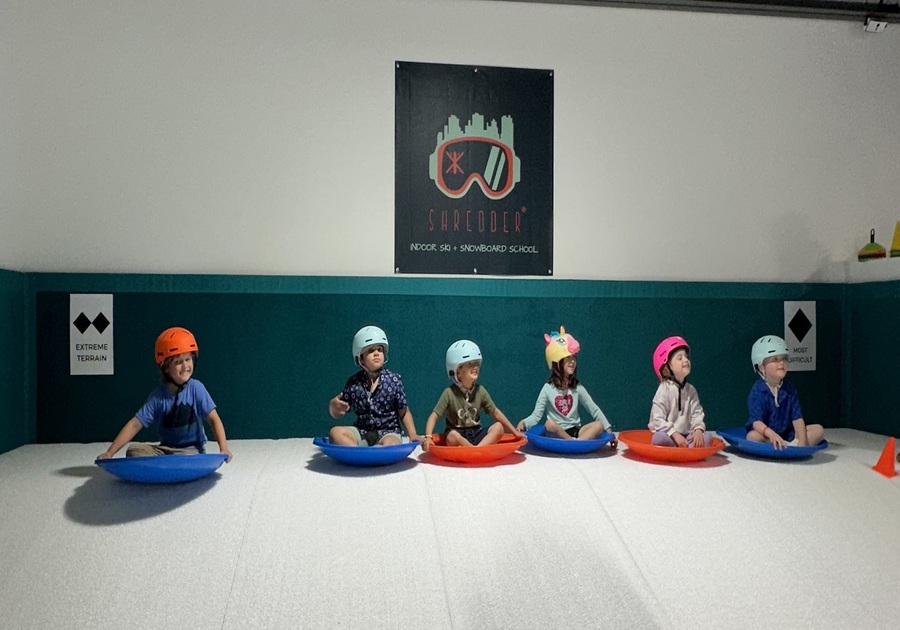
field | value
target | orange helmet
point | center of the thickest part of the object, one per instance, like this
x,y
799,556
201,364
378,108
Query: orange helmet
x,y
172,342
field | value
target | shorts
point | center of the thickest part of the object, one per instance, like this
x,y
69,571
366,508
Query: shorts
x,y
573,431
787,435
140,449
371,438
473,434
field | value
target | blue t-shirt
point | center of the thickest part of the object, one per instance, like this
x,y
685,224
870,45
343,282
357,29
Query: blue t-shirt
x,y
780,417
380,410
178,417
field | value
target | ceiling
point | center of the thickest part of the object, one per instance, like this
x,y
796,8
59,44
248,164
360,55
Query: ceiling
x,y
883,11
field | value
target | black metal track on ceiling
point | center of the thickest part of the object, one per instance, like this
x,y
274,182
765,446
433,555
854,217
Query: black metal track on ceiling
x,y
809,9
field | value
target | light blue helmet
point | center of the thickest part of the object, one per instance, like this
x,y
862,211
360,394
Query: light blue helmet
x,y
460,352
365,337
764,347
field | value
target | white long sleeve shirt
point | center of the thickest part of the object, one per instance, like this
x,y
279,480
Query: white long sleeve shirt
x,y
667,414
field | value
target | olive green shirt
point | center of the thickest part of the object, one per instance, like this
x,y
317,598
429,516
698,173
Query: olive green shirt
x,y
460,410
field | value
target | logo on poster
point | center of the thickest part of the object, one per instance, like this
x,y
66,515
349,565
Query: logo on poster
x,y
480,154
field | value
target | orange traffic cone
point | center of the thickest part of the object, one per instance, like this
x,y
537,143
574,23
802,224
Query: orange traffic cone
x,y
885,464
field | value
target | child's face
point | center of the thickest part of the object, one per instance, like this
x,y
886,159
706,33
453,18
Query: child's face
x,y
180,368
775,368
569,364
680,364
373,358
467,373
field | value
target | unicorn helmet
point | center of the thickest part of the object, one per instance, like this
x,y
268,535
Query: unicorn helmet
x,y
559,346
664,350
365,337
462,351
764,347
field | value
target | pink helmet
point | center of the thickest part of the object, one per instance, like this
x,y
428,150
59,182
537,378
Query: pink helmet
x,y
666,347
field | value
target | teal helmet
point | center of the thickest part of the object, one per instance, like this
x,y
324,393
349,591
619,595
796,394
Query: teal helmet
x,y
462,351
365,337
764,347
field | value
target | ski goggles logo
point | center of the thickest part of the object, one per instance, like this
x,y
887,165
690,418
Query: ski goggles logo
x,y
480,155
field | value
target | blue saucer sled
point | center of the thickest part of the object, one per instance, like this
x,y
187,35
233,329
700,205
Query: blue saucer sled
x,y
737,439
366,455
163,468
537,436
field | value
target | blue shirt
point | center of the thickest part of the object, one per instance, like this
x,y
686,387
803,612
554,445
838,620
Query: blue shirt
x,y
379,410
780,417
178,417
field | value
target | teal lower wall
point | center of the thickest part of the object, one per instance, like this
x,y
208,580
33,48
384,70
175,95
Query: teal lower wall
x,y
874,341
13,361
274,350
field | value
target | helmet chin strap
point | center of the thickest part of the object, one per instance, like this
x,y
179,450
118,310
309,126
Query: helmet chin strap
x,y
775,385
168,379
373,376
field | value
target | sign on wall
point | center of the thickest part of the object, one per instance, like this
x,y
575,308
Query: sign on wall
x,y
473,170
90,334
800,335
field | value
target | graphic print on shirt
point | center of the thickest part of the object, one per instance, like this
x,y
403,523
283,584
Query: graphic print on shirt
x,y
180,415
563,404
180,427
467,414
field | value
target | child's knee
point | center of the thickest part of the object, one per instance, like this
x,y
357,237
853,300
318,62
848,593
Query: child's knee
x,y
342,436
139,449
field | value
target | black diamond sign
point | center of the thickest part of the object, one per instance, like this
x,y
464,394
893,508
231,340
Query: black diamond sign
x,y
800,325
101,323
82,323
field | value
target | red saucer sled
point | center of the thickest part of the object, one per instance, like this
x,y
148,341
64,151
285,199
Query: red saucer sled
x,y
640,442
507,445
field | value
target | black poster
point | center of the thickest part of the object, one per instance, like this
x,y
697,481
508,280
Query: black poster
x,y
473,170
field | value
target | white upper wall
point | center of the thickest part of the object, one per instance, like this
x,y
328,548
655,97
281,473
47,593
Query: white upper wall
x,y
257,136
12,216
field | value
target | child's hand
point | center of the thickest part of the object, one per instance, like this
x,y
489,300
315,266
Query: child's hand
x,y
521,425
679,440
698,438
104,455
228,453
427,442
337,407
776,440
